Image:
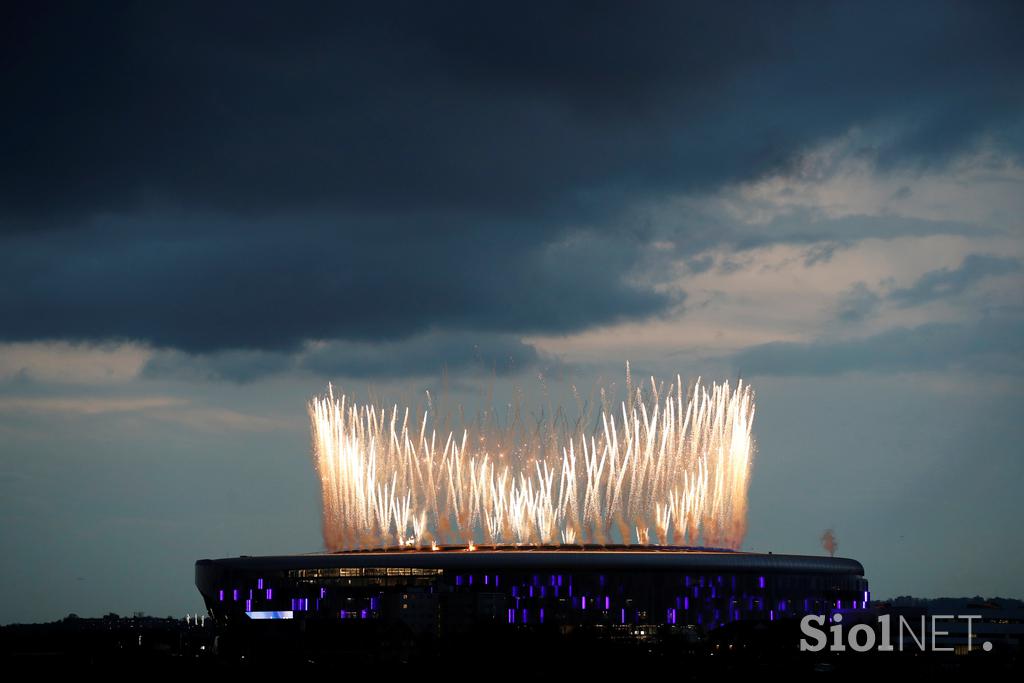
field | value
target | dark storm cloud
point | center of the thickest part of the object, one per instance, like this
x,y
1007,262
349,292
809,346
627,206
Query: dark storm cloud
x,y
425,355
947,282
820,253
428,355
825,235
860,301
699,228
857,303
206,286
208,177
233,365
990,345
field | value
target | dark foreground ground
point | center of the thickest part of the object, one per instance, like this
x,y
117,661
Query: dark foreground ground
x,y
146,644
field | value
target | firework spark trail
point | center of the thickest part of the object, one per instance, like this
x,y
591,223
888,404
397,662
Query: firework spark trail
x,y
671,467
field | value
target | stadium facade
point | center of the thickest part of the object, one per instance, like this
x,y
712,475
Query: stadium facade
x,y
615,591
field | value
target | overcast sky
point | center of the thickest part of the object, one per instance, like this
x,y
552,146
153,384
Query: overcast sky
x,y
208,212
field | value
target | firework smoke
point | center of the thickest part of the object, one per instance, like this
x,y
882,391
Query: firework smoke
x,y
829,542
672,471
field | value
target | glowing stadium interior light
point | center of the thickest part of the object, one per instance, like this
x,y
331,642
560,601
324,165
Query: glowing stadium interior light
x,y
668,467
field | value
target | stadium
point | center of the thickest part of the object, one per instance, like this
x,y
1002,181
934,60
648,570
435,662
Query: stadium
x,y
671,472
609,592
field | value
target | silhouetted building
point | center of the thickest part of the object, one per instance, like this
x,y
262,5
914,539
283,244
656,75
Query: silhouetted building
x,y
404,598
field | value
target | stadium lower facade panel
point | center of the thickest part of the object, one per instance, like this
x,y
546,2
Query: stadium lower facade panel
x,y
624,590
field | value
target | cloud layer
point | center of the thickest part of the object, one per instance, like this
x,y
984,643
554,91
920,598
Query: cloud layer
x,y
371,174
992,346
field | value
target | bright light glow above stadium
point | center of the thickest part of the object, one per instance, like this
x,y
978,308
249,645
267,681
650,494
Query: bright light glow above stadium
x,y
666,466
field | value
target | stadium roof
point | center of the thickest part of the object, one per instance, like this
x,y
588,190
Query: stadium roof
x,y
645,558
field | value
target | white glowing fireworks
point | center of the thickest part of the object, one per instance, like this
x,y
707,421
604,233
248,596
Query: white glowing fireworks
x,y
672,471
